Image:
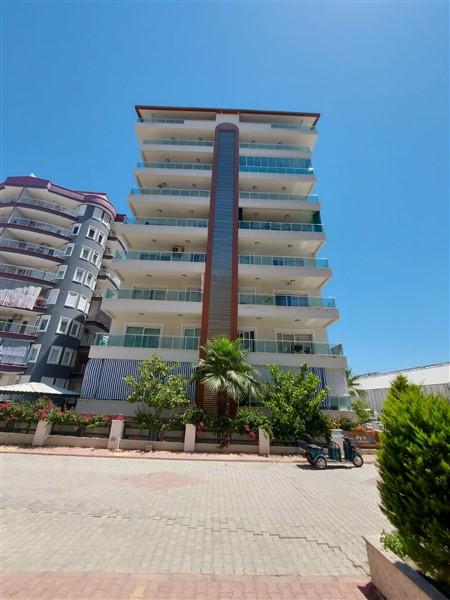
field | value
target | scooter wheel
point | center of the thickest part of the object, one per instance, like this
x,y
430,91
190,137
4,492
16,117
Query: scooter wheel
x,y
358,460
320,463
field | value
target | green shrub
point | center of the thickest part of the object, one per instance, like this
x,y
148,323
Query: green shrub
x,y
346,423
248,420
393,542
414,465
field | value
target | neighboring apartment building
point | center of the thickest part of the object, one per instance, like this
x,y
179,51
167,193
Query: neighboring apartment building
x,y
224,240
55,247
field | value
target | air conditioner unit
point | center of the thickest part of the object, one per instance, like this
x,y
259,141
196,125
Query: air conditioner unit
x,y
178,249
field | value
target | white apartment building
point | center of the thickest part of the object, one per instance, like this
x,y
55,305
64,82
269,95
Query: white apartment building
x,y
224,240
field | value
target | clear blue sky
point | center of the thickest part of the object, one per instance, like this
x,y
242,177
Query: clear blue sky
x,y
378,73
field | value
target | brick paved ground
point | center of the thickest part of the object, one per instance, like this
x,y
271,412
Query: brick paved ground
x,y
87,528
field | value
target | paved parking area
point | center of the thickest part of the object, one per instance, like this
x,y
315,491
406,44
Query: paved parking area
x,y
76,528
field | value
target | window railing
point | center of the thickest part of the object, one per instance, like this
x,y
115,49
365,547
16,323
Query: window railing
x,y
274,226
274,196
25,272
155,294
339,403
134,340
308,128
170,192
286,347
171,222
39,225
171,165
287,300
50,205
179,142
278,170
106,273
18,328
273,146
154,120
163,256
32,248
282,261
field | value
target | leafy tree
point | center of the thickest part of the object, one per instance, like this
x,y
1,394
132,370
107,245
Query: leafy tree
x,y
295,401
225,371
248,420
399,385
362,410
156,388
353,385
414,465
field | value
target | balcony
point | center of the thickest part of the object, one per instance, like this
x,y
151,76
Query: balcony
x,y
171,165
193,257
271,197
175,142
17,330
295,126
171,222
13,354
152,120
284,347
52,206
155,294
39,276
106,273
273,226
148,341
287,300
289,147
283,261
170,192
28,248
37,226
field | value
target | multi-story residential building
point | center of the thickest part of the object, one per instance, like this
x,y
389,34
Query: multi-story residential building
x,y
224,240
55,248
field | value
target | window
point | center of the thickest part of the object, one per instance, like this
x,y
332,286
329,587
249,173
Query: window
x,y
83,303
48,380
74,358
91,233
76,229
60,382
86,253
100,238
52,297
106,218
191,338
89,280
63,325
96,259
78,276
68,249
72,299
67,357
97,214
142,337
81,210
61,272
43,324
33,353
295,343
75,329
248,339
54,355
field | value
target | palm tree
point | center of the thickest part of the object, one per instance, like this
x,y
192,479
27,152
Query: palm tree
x,y
353,385
225,371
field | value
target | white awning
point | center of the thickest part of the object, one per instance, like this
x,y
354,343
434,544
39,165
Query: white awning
x,y
36,387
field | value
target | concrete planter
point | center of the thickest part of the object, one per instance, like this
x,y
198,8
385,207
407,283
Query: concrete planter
x,y
394,578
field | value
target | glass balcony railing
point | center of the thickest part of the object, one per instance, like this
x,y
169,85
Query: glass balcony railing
x,y
39,225
286,347
297,126
274,146
338,403
25,272
50,205
287,300
283,261
171,165
170,192
17,245
273,226
154,120
171,222
163,256
132,340
112,276
278,170
274,196
155,294
17,328
179,142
